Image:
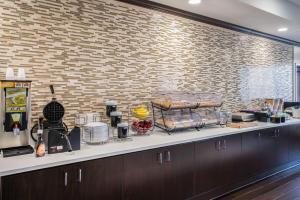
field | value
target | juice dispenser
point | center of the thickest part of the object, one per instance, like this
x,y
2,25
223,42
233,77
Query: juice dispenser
x,y
15,109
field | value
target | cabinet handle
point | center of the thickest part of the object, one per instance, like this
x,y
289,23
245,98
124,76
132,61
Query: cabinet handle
x,y
168,156
79,175
160,158
224,145
275,134
259,134
218,145
66,179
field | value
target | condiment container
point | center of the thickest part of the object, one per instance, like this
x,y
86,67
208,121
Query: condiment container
x,y
276,119
123,129
40,147
111,106
116,118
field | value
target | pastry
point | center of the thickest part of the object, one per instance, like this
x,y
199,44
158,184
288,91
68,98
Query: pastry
x,y
173,104
168,123
209,103
172,124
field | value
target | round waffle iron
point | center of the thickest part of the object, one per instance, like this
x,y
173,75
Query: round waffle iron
x,y
53,113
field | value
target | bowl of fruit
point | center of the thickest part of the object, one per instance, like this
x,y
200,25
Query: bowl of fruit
x,y
142,127
140,112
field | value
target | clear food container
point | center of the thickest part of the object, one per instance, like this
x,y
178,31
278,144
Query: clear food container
x,y
213,117
83,119
178,110
207,100
174,100
179,119
181,100
141,119
225,118
209,116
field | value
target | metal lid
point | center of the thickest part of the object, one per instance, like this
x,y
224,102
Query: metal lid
x,y
122,125
111,103
116,114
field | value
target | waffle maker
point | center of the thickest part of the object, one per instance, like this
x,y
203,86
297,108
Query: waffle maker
x,y
55,132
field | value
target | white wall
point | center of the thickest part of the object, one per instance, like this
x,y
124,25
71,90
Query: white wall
x,y
297,55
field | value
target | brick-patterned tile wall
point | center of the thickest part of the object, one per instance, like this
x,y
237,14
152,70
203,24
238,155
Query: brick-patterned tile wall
x,y
95,50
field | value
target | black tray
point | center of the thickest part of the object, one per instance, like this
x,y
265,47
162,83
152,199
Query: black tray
x,y
17,151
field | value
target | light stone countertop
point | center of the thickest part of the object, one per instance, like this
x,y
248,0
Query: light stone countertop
x,y
25,163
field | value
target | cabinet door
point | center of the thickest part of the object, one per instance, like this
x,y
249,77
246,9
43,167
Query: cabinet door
x,y
71,190
267,149
101,179
208,158
294,143
264,150
179,171
47,184
252,143
231,159
143,179
1,195
281,146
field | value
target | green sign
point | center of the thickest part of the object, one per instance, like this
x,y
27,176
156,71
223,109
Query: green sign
x,y
15,100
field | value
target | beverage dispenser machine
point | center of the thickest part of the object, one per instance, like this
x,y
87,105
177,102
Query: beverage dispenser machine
x,y
15,117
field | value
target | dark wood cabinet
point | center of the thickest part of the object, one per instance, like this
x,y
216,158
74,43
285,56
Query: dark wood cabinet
x,y
294,143
281,145
179,171
273,148
165,173
100,179
264,150
257,150
231,159
217,163
47,184
207,165
198,170
71,186
251,152
1,194
143,175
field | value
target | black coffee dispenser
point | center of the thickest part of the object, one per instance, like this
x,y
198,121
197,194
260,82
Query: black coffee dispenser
x,y
55,132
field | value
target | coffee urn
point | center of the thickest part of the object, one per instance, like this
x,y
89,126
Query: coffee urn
x,y
15,117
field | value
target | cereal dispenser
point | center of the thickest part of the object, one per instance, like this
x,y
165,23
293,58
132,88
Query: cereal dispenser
x,y
15,109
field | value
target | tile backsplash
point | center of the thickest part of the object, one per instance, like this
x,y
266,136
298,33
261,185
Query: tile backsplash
x,y
95,50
